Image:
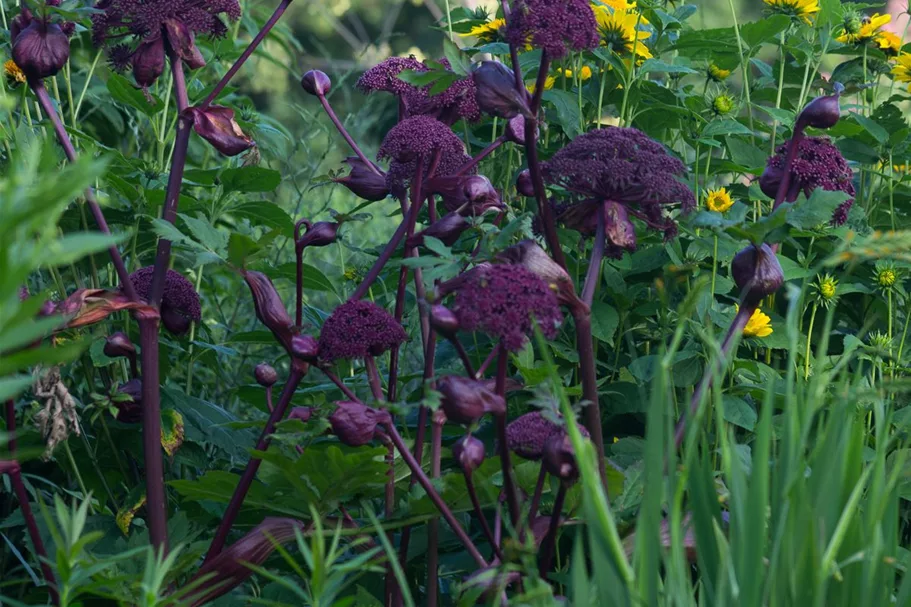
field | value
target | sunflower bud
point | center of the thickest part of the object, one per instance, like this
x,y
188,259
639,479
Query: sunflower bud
x,y
466,400
319,234
302,414
270,310
496,93
823,112
148,62
216,125
469,453
524,185
129,402
265,375
119,345
363,181
305,348
447,229
41,49
560,458
316,83
180,38
443,320
355,424
757,273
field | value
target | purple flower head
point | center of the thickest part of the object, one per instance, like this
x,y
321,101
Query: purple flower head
x,y
357,329
527,434
179,299
621,166
384,77
818,164
177,21
502,299
423,139
557,26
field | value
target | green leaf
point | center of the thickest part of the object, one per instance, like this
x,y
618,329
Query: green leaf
x,y
262,213
458,61
206,233
11,387
76,245
604,321
745,153
764,30
125,92
817,210
725,126
205,422
250,179
654,66
567,106
738,412
314,278
872,127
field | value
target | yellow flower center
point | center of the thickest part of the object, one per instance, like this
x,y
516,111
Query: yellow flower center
x,y
718,200
886,278
13,72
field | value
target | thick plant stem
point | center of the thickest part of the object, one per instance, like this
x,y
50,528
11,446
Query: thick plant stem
x,y
15,475
156,498
433,495
479,512
246,480
340,384
345,135
279,11
593,276
373,378
536,497
433,526
550,540
509,479
481,155
592,413
64,139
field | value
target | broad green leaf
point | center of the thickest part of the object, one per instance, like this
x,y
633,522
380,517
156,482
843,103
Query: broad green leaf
x,y
76,245
567,106
125,92
250,179
604,321
738,412
655,66
817,210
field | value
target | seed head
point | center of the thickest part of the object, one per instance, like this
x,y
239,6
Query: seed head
x,y
179,299
357,329
419,139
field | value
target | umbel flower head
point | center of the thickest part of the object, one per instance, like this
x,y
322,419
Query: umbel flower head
x,y
179,299
357,329
151,24
557,26
527,434
41,46
502,299
817,164
626,169
420,139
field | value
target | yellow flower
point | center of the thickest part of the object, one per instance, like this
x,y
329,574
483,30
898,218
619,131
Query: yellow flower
x,y
805,10
619,6
486,32
902,70
14,74
869,29
717,74
826,289
718,200
619,31
759,325
888,43
548,84
723,104
584,74
886,275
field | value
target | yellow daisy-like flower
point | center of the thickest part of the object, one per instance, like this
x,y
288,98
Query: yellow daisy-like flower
x,y
717,74
888,43
14,74
901,72
620,32
548,84
805,10
619,6
868,30
487,32
584,74
718,200
759,325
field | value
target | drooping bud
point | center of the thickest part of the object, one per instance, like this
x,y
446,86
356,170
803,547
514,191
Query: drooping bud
x,y
515,130
319,234
119,345
363,181
757,273
302,414
148,62
560,458
823,112
443,320
356,424
496,93
129,402
174,321
468,453
316,83
270,310
466,400
465,194
305,348
216,125
447,229
265,375
532,257
41,49
618,229
181,40
524,185
770,180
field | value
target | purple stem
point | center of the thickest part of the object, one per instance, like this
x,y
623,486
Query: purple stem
x,y
64,139
246,480
480,372
481,155
433,527
373,378
341,385
344,133
513,51
156,498
536,498
299,286
269,399
15,475
433,495
246,54
593,277
543,68
550,540
509,481
466,360
485,526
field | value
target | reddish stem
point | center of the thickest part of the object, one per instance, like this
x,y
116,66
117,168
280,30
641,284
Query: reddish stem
x,y
481,155
269,399
463,355
433,527
340,384
536,498
593,276
550,540
373,378
485,526
156,498
345,135
483,368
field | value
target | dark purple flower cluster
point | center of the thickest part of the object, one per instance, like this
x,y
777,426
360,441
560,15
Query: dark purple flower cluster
x,y
357,329
456,102
423,139
179,299
557,26
501,300
818,164
527,434
625,167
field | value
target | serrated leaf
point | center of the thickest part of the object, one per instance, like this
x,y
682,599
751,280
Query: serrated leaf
x,y
817,210
604,321
725,127
458,61
125,92
250,179
262,213
567,106
654,66
206,234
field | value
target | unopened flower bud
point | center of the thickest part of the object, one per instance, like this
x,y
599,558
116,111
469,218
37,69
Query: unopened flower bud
x,y
270,310
265,375
447,229
618,229
469,453
515,130
302,414
466,400
770,180
466,194
148,62
560,458
533,258
757,273
316,83
524,185
443,320
129,410
119,345
823,112
356,424
41,49
181,40
496,93
216,125
305,348
174,321
319,234
363,181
